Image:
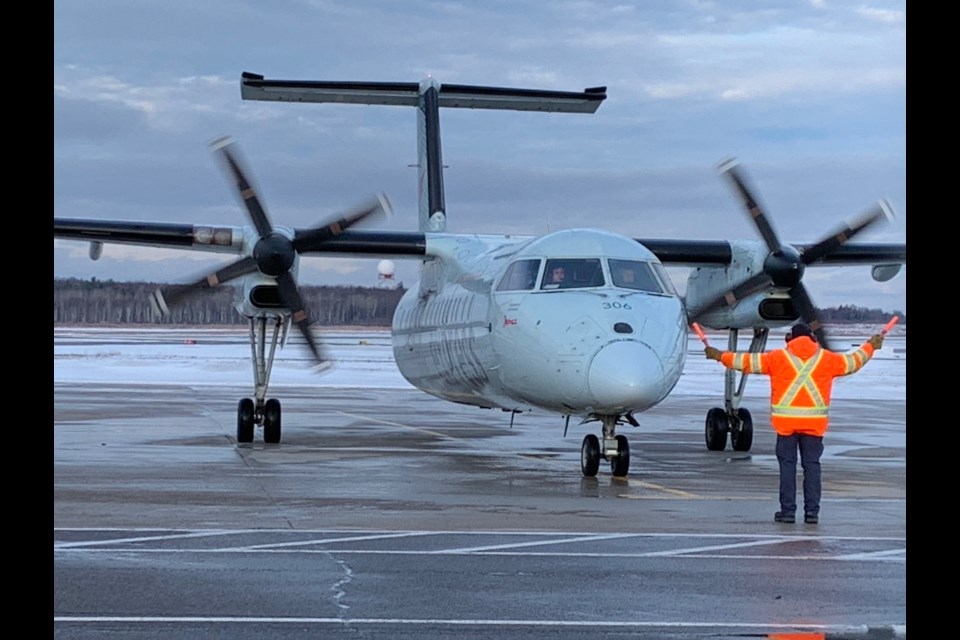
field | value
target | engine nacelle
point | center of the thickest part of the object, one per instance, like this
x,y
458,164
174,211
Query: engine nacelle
x,y
765,309
258,295
769,308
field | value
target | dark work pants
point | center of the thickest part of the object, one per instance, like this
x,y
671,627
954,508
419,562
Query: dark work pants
x,y
810,448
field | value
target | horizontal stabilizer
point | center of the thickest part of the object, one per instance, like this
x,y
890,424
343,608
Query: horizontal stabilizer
x,y
256,87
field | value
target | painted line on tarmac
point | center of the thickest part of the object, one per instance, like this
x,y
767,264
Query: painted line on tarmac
x,y
170,536
516,545
320,541
716,547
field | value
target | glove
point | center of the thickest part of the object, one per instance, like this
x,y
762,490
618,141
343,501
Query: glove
x,y
876,341
712,353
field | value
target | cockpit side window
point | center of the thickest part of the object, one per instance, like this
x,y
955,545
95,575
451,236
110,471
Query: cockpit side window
x,y
634,274
572,273
520,276
665,279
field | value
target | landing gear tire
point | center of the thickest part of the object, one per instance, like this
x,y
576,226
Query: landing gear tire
x,y
590,455
620,465
271,421
742,439
716,428
245,417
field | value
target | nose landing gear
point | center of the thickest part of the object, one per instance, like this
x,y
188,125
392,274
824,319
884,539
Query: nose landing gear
x,y
615,449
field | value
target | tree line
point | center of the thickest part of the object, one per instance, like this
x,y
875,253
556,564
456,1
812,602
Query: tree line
x,y
850,314
94,301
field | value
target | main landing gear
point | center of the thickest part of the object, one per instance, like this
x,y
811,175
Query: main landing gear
x,y
260,411
615,448
732,418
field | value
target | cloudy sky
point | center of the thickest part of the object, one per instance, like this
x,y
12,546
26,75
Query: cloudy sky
x,y
810,96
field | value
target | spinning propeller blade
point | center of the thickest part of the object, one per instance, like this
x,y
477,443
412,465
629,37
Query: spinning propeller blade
x,y
731,169
274,253
808,314
290,294
784,265
837,239
309,240
224,148
161,300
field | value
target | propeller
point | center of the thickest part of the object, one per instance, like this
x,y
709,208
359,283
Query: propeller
x,y
784,265
274,253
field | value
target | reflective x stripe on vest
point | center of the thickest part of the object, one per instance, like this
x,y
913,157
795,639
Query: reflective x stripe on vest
x,y
802,381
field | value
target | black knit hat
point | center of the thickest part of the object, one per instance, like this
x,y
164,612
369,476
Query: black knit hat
x,y
798,330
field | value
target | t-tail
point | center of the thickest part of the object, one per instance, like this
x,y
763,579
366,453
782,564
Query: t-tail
x,y
427,96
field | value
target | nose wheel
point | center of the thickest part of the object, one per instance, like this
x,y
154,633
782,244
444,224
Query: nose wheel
x,y
590,455
615,449
620,463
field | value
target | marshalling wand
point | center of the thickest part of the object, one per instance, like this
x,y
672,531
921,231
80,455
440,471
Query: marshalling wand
x,y
889,325
700,334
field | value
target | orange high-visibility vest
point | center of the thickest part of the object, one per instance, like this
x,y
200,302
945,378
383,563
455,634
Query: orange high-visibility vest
x,y
801,381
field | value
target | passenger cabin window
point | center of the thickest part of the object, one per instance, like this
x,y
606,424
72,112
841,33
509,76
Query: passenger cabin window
x,y
633,274
572,274
520,276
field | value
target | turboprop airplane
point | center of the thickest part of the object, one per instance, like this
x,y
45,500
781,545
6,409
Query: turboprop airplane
x,y
582,323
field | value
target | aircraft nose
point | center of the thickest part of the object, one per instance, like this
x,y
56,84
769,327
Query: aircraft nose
x,y
626,374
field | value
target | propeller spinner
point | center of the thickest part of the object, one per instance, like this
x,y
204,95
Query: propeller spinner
x,y
274,253
784,265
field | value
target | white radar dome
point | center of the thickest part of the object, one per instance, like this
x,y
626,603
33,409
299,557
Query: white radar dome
x,y
386,268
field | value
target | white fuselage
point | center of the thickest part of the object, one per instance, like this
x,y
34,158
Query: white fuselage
x,y
477,332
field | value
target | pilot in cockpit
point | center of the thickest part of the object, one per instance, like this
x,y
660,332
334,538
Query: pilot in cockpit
x,y
557,275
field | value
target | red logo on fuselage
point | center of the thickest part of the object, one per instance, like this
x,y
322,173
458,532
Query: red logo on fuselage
x,y
508,321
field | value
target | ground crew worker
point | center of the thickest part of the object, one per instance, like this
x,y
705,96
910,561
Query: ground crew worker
x,y
801,379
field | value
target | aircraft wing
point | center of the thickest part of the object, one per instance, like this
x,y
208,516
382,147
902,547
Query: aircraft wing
x,y
720,252
151,234
229,239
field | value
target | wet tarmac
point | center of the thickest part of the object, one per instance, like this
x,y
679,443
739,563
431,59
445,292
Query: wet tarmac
x,y
386,513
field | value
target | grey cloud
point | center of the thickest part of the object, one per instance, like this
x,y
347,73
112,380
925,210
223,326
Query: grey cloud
x,y
90,120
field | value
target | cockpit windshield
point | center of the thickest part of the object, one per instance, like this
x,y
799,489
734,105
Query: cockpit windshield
x,y
572,273
581,273
638,275
520,276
